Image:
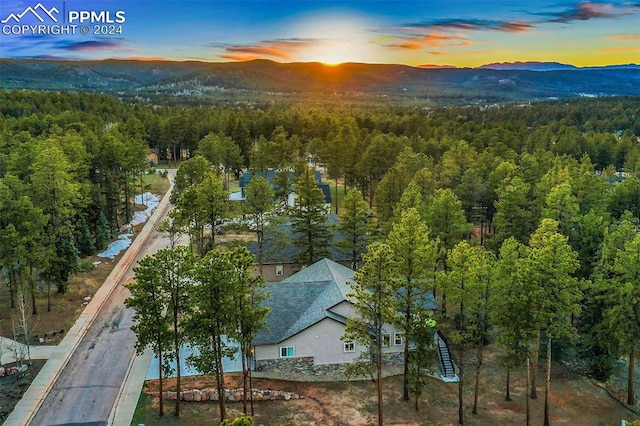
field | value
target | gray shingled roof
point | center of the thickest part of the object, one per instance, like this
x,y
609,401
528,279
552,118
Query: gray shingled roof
x,y
303,299
325,270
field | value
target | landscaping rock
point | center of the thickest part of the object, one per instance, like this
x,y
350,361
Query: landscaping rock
x,y
230,395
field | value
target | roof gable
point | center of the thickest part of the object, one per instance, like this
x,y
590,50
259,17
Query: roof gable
x,y
304,299
325,270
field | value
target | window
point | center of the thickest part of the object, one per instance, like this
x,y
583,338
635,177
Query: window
x,y
287,352
279,270
386,339
398,339
349,346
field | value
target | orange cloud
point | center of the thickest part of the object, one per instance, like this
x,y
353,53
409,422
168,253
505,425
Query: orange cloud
x,y
586,10
260,51
281,49
429,40
407,46
516,27
623,37
239,58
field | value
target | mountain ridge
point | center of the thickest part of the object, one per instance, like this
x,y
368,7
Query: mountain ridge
x,y
550,66
264,79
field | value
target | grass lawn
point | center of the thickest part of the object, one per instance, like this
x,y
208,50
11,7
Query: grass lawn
x,y
154,183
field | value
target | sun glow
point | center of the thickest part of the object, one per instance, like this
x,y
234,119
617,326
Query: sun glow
x,y
335,39
334,53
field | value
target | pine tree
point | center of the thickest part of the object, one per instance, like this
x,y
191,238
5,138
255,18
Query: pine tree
x,y
249,313
508,310
354,226
372,291
150,303
554,293
212,201
213,299
447,223
311,233
260,200
420,360
102,232
624,305
172,267
467,282
414,255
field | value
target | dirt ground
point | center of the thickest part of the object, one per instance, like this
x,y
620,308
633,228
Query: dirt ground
x,y
12,387
575,400
65,308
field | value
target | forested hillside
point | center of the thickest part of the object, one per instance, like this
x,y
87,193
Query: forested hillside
x,y
548,192
261,82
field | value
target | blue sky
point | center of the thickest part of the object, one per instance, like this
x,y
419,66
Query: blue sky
x,y
461,33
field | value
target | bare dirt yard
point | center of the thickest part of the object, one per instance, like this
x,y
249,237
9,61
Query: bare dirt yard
x,y
575,400
12,387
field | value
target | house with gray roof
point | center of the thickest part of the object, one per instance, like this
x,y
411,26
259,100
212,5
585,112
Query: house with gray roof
x,y
270,176
278,252
309,311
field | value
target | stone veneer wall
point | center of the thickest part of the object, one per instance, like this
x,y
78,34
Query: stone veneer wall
x,y
305,365
210,394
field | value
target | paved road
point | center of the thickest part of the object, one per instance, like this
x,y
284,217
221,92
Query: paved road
x,y
88,386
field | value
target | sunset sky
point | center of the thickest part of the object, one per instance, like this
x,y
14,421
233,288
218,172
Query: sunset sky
x,y
462,33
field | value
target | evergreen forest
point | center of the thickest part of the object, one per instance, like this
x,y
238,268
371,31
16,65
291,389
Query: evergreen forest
x,y
529,212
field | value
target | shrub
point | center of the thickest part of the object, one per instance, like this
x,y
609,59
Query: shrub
x,y
239,421
85,265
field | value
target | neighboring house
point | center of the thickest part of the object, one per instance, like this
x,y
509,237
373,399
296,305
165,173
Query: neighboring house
x,y
270,176
278,253
309,311
152,157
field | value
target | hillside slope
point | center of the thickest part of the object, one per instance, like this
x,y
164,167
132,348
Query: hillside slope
x,y
262,78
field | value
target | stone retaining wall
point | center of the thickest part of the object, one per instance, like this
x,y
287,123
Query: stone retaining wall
x,y
306,366
211,394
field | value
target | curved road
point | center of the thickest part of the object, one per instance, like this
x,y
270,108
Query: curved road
x,y
86,389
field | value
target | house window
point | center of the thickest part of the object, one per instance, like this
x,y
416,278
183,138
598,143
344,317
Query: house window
x,y
349,346
287,352
279,270
386,339
398,339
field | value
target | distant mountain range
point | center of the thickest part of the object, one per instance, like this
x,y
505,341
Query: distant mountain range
x,y
262,80
549,66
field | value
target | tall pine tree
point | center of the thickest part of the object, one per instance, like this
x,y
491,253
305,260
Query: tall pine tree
x,y
309,220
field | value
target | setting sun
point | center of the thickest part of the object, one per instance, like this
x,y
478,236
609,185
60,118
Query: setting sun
x,y
336,39
334,53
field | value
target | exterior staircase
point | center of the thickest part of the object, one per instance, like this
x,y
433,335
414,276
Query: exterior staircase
x,y
446,364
